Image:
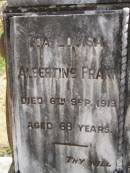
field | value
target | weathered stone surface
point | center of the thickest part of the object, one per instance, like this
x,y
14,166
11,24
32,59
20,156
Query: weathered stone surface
x,y
52,2
64,73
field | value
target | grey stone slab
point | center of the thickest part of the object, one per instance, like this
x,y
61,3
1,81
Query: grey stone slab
x,y
55,2
64,73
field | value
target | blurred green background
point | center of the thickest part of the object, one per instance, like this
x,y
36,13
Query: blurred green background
x,y
4,146
2,59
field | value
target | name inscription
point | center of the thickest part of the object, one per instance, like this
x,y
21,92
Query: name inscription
x,y
59,72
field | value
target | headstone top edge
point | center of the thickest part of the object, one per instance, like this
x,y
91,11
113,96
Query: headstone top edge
x,y
15,3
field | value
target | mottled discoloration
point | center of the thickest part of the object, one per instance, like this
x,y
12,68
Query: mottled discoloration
x,y
91,40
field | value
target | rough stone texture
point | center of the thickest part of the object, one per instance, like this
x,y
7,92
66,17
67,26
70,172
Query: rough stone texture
x,y
52,2
91,41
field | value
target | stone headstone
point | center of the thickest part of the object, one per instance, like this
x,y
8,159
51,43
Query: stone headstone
x,y
56,2
65,83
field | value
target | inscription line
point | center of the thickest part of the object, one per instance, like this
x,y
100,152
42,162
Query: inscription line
x,y
69,144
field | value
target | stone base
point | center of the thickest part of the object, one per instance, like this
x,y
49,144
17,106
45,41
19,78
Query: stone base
x,y
11,170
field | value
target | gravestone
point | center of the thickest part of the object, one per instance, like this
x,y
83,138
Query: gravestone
x,y
68,79
61,2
